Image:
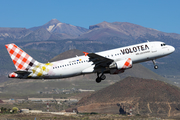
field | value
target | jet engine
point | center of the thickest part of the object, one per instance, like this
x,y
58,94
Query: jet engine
x,y
119,66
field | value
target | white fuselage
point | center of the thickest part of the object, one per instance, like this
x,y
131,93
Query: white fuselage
x,y
81,64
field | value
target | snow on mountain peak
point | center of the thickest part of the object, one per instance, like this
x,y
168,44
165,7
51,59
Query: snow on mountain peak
x,y
59,24
50,28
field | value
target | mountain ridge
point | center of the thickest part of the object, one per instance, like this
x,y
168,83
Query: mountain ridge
x,y
55,26
131,29
143,96
101,31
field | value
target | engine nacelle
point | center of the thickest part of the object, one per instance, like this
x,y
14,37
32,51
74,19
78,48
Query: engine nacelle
x,y
119,66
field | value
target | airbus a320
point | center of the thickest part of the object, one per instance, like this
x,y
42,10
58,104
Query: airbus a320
x,y
113,61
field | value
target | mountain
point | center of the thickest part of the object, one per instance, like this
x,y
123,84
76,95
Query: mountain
x,y
67,54
124,29
143,96
38,34
55,26
60,30
53,29
13,33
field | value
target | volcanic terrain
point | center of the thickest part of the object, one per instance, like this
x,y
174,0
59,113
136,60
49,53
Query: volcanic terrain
x,y
142,96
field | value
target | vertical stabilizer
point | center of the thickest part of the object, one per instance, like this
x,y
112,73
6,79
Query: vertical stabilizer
x,y
21,59
26,66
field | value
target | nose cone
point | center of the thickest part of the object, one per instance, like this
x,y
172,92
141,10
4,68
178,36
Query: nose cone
x,y
171,49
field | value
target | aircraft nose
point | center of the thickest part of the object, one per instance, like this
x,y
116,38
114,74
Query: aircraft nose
x,y
171,49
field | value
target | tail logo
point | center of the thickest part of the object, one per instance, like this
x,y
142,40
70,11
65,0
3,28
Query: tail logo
x,y
21,59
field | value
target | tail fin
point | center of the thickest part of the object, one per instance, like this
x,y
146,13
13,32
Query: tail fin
x,y
21,59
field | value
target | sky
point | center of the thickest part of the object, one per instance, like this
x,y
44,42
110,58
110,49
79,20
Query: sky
x,y
162,15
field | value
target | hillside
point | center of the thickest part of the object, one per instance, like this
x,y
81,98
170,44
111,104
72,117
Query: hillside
x,y
145,96
140,71
67,54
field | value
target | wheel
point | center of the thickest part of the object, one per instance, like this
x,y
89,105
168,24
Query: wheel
x,y
98,79
103,77
155,67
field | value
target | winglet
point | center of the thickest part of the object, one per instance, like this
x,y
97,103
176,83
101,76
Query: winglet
x,y
85,53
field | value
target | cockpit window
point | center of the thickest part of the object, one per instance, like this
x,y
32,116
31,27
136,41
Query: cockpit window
x,y
163,44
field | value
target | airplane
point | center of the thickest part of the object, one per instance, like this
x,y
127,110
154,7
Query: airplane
x,y
113,61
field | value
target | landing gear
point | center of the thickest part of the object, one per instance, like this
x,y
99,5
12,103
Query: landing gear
x,y
98,79
155,66
101,77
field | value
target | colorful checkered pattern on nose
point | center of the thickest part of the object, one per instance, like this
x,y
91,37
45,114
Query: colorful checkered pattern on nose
x,y
21,59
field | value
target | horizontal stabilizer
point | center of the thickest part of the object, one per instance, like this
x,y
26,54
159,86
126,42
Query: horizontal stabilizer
x,y
19,74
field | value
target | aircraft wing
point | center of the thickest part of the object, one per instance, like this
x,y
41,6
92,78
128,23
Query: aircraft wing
x,y
99,61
